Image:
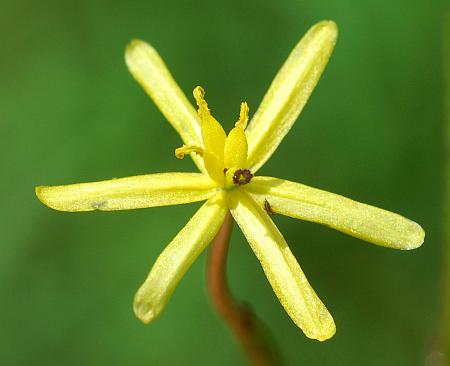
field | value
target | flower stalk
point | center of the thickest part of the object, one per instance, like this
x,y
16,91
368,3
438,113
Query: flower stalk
x,y
239,318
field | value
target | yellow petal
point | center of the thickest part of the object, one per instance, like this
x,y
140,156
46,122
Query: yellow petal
x,y
177,257
353,218
281,268
149,70
128,193
289,92
235,153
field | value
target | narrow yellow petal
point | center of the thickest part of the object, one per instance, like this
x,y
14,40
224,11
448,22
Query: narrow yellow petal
x,y
281,268
235,153
149,70
289,92
366,222
129,193
177,257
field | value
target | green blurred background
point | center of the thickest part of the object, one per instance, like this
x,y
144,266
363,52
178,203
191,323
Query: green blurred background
x,y
70,112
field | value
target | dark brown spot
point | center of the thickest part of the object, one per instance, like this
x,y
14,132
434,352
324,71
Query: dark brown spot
x,y
268,208
242,176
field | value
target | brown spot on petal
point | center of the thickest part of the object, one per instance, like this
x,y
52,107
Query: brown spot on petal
x,y
268,208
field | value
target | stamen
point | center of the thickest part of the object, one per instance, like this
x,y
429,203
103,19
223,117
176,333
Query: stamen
x,y
187,149
242,176
243,116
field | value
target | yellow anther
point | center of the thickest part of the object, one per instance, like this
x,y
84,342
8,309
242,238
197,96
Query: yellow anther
x,y
187,149
243,116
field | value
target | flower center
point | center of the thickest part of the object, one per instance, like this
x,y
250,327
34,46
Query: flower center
x,y
225,157
242,176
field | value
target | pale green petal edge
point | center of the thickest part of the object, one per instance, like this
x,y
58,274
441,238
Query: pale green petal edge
x,y
140,191
366,222
289,92
177,257
281,268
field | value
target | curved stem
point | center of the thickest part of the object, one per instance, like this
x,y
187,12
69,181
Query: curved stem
x,y
239,318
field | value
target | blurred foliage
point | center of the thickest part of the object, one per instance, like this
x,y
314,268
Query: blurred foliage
x,y
70,112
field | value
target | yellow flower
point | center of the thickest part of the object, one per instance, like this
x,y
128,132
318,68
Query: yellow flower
x,y
227,182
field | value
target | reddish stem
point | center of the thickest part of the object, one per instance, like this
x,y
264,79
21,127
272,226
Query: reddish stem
x,y
239,318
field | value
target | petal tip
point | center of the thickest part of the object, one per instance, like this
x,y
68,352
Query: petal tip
x,y
323,331
40,194
135,50
325,336
135,42
38,190
418,237
329,26
45,194
143,310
